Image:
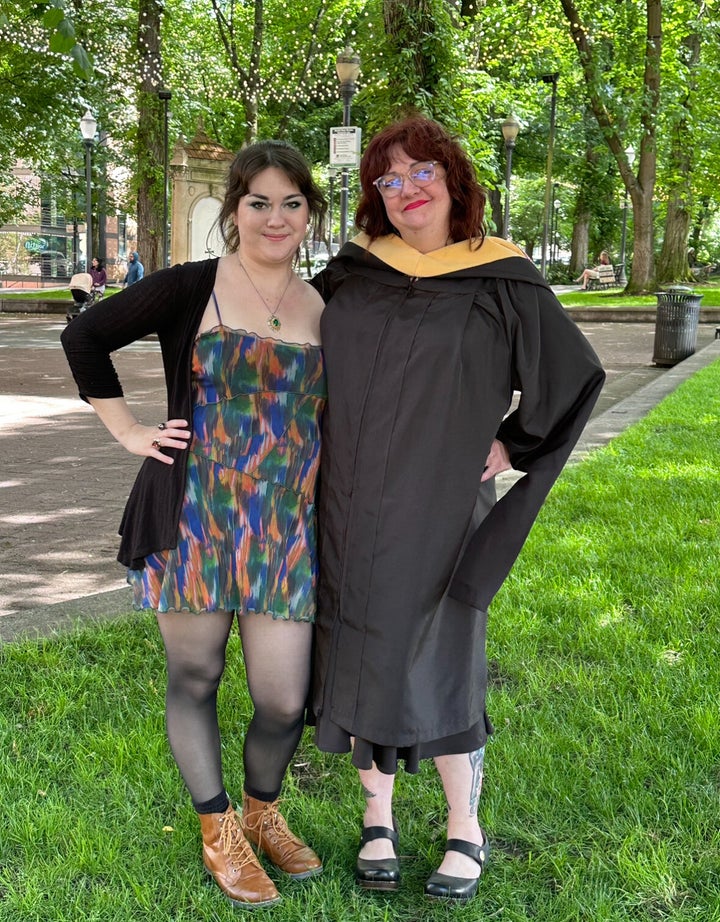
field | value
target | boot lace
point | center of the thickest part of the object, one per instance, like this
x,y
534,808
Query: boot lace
x,y
272,825
235,846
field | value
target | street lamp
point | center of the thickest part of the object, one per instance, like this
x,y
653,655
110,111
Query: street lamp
x,y
630,154
165,97
554,233
71,176
549,78
510,128
332,173
347,65
88,126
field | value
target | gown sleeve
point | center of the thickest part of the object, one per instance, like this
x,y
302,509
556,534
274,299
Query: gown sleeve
x,y
559,377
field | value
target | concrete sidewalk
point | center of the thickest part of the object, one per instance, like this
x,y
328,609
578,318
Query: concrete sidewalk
x,y
65,481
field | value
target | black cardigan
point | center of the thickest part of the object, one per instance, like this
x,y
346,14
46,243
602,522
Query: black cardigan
x,y
169,303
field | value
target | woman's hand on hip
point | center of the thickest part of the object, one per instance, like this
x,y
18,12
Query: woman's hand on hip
x,y
149,441
497,461
146,441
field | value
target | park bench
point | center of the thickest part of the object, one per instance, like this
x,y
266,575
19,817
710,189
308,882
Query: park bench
x,y
609,277
703,273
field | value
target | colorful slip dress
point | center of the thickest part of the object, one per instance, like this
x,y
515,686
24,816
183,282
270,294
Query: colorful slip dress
x,y
246,538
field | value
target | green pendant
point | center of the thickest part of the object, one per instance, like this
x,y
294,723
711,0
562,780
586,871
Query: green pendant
x,y
273,323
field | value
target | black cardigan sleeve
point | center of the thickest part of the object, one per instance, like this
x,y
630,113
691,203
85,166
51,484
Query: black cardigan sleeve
x,y
170,303
150,306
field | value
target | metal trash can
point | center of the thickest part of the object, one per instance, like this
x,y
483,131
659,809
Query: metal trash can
x,y
676,325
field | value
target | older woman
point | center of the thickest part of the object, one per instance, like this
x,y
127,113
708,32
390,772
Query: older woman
x,y
428,329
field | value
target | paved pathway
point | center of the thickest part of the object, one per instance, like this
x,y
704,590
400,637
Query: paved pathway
x,y
64,481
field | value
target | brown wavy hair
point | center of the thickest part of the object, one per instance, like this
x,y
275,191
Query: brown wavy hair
x,y
245,167
422,139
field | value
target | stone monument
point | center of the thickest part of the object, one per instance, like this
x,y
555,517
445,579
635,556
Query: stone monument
x,y
198,169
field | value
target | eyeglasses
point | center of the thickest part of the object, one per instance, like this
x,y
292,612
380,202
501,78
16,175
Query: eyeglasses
x,y
420,174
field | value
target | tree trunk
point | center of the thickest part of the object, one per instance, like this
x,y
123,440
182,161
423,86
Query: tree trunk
x,y
673,262
587,195
642,186
150,177
580,238
701,219
643,276
495,207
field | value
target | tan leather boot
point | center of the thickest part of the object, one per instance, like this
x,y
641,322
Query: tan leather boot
x,y
228,857
267,830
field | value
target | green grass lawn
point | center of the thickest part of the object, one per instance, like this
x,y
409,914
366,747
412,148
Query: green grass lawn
x,y
602,786
614,297
45,294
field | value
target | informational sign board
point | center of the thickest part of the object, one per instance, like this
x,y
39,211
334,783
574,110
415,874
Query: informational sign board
x,y
345,147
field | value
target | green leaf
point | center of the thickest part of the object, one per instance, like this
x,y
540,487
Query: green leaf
x,y
63,39
82,63
52,18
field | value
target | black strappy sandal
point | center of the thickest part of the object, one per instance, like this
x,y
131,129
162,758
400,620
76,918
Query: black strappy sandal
x,y
378,873
444,886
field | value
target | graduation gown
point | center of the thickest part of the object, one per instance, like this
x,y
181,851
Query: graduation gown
x,y
423,353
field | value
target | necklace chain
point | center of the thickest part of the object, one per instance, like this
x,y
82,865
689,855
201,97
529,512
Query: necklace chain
x,y
273,320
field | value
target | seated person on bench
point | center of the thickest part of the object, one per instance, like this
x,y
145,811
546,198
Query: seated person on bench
x,y
599,272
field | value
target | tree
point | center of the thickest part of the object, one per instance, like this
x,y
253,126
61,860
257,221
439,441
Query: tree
x,y
610,120
33,112
149,178
682,127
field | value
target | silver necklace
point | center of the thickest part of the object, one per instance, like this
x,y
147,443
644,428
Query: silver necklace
x,y
273,321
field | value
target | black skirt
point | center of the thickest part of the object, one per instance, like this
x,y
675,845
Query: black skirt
x,y
331,738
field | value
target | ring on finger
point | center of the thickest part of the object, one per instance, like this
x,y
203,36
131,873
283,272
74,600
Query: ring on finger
x,y
162,426
156,443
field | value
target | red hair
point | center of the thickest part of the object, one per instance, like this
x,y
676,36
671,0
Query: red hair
x,y
422,139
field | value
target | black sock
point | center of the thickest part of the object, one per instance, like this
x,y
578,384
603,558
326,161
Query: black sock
x,y
217,804
265,796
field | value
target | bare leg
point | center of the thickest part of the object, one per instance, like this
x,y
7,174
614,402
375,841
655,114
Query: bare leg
x,y
378,790
195,653
462,781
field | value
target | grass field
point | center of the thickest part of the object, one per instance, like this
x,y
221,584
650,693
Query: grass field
x,y
614,297
45,294
602,787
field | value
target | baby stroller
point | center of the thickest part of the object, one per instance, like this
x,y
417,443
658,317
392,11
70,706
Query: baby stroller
x,y
83,294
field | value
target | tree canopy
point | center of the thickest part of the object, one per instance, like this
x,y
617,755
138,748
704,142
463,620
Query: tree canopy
x,y
636,95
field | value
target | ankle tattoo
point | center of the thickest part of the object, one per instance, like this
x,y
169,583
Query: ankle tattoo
x,y
477,761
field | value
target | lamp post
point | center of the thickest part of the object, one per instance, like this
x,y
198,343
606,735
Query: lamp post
x,y
332,173
165,97
88,126
510,128
347,66
630,154
553,79
554,242
71,176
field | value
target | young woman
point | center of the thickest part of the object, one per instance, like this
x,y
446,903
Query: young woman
x,y
221,522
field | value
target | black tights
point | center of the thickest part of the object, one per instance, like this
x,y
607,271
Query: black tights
x,y
277,663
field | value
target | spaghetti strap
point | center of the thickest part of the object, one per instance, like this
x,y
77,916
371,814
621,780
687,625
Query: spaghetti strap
x,y
217,308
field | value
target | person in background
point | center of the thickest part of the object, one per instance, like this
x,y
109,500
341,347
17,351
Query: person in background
x,y
588,274
98,275
220,525
429,328
135,270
